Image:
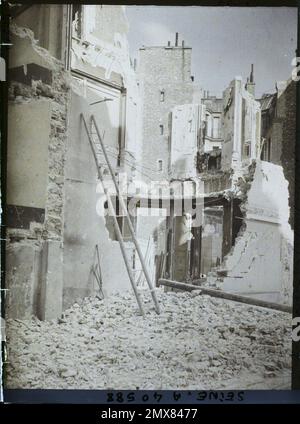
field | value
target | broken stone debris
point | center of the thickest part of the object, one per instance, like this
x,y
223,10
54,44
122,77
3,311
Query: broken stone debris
x,y
198,342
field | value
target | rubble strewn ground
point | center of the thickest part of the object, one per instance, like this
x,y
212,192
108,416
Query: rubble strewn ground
x,y
198,342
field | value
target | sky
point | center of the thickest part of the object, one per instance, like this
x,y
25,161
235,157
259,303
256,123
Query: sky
x,y
225,41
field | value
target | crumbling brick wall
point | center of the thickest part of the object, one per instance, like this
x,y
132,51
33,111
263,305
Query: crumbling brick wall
x,y
165,81
37,232
289,142
30,88
282,132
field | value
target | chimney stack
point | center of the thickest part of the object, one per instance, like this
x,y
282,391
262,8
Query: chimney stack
x,y
169,43
182,43
252,73
176,39
250,85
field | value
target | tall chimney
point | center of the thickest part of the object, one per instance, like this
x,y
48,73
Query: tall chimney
x,y
250,85
252,73
176,39
169,43
182,43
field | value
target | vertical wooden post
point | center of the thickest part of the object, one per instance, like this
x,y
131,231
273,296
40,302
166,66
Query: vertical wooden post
x,y
227,227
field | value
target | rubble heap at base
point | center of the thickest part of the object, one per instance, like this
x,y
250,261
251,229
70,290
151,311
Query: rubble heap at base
x,y
197,342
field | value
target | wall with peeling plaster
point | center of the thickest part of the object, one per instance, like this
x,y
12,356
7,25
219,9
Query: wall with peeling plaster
x,y
103,53
59,251
38,95
28,144
261,262
240,126
46,21
84,228
279,131
187,127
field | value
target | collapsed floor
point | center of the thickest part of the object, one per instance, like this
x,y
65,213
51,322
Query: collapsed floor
x,y
198,342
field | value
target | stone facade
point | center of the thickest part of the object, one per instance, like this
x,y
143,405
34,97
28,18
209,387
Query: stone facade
x,y
187,126
53,185
39,92
165,81
240,126
279,133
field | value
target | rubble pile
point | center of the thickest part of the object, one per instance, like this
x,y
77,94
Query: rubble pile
x,y
198,342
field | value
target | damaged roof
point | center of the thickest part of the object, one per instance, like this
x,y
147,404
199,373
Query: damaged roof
x,y
267,100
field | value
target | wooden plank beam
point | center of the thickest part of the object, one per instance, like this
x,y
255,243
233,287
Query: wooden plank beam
x,y
225,295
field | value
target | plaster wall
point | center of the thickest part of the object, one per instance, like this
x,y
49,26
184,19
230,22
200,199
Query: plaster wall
x,y
27,144
84,228
187,123
261,262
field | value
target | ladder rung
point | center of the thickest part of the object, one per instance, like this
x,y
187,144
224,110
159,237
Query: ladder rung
x,y
94,131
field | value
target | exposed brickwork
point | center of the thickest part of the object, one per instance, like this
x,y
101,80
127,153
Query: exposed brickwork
x,y
288,143
57,92
167,70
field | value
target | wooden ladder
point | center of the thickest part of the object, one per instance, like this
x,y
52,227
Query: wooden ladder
x,y
97,145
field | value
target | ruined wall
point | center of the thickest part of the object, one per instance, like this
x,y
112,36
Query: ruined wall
x,y
54,226
104,85
46,21
84,228
282,132
240,126
165,81
186,132
28,143
106,23
227,125
261,262
102,53
288,114
38,97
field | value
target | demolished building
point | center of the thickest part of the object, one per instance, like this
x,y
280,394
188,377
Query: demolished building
x,y
157,126
53,225
215,144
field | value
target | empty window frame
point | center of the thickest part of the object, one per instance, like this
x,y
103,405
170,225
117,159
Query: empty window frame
x,y
162,96
161,129
159,165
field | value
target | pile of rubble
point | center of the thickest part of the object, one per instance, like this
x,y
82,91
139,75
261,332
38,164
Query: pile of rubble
x,y
198,342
